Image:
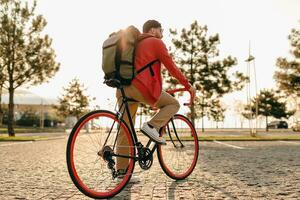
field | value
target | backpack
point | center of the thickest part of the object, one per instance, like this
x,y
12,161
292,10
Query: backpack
x,y
118,57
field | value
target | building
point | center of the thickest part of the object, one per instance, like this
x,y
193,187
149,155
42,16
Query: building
x,y
28,101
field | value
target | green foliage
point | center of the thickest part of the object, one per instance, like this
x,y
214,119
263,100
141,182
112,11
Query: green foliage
x,y
29,118
212,109
73,102
269,105
4,110
248,113
287,75
216,111
26,55
196,54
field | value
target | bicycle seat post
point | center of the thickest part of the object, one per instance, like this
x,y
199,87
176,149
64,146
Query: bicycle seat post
x,y
127,110
124,98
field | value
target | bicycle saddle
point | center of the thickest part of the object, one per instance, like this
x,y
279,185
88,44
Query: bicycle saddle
x,y
115,83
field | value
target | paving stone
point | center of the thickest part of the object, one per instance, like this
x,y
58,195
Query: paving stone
x,y
267,170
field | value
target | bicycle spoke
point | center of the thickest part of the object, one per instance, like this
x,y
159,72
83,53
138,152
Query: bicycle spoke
x,y
179,159
92,163
93,142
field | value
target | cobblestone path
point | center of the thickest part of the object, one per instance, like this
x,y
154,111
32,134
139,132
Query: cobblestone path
x,y
225,170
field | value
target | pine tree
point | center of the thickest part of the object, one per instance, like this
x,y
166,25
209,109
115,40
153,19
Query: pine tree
x,y
269,105
287,75
196,54
74,101
26,56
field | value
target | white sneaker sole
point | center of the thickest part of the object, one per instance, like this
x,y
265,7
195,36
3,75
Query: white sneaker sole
x,y
144,132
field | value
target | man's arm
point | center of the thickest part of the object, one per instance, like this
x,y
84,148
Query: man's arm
x,y
164,56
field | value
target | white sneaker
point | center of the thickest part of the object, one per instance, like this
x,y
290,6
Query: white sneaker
x,y
152,134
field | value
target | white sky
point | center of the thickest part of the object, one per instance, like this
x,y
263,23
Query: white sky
x,y
79,27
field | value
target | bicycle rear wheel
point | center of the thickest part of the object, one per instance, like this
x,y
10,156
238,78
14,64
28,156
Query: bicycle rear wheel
x,y
179,157
92,144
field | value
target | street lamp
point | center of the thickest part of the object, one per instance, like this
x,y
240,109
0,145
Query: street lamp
x,y
251,60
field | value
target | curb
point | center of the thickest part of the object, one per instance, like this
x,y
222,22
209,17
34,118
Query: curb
x,y
249,140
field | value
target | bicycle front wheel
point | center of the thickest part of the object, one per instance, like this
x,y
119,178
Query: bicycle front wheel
x,y
92,150
179,157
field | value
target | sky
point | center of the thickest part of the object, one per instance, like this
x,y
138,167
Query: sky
x,y
79,27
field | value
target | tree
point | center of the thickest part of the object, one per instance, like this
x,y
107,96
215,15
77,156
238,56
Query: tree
x,y
26,54
239,110
288,74
197,56
212,109
2,79
216,112
269,105
73,102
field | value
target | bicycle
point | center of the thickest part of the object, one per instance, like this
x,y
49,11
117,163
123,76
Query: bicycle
x,y
93,144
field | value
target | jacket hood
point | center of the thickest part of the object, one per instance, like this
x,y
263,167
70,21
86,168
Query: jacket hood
x,y
144,36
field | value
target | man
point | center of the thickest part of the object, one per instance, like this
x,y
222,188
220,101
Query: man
x,y
146,87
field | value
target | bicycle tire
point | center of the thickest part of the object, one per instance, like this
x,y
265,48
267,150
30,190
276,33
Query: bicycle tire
x,y
78,168
185,148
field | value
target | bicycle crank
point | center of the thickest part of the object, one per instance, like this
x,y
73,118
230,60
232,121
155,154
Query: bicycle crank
x,y
145,158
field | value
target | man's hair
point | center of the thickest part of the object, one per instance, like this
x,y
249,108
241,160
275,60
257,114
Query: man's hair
x,y
150,24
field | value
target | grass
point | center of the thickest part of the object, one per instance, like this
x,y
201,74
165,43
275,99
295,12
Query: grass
x,y
32,130
240,138
21,138
247,138
221,137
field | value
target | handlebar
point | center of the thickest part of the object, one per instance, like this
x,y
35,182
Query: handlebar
x,y
182,90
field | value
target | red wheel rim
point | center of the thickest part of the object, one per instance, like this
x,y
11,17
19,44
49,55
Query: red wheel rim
x,y
73,168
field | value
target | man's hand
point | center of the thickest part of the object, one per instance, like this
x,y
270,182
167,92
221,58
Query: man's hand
x,y
192,90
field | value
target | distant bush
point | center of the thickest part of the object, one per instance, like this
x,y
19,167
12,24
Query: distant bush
x,y
29,118
4,115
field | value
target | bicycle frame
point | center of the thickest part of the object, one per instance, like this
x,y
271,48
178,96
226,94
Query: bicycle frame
x,y
138,145
114,138
125,101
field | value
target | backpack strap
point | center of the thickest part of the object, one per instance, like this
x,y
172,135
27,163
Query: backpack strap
x,y
149,65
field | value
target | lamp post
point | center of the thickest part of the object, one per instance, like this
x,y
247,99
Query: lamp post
x,y
251,61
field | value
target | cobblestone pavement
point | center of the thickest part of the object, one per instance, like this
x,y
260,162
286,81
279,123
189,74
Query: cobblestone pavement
x,y
225,170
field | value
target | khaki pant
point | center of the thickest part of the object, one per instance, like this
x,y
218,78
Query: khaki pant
x,y
168,107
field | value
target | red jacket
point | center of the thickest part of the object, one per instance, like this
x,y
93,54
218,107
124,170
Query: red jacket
x,y
147,50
